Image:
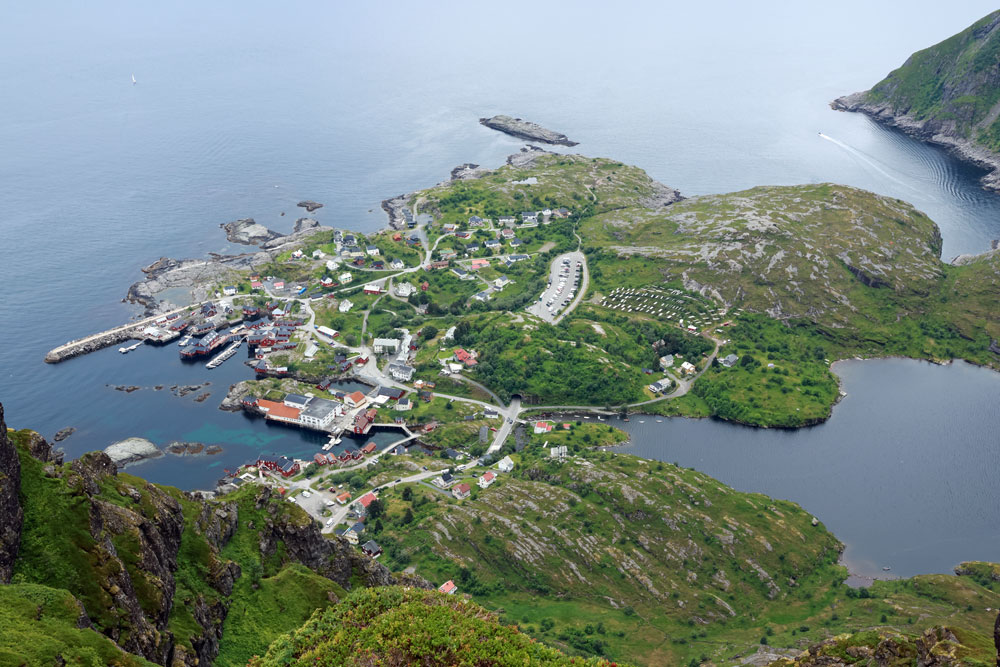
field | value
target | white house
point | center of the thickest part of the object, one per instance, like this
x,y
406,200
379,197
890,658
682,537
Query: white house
x,y
400,372
666,361
345,278
229,290
730,360
345,305
397,263
687,368
505,464
331,264
298,254
501,282
320,413
404,290
318,254
486,479
372,250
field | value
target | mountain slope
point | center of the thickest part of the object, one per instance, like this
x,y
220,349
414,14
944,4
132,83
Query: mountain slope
x,y
948,94
157,571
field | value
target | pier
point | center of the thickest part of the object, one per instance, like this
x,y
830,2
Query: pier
x,y
75,348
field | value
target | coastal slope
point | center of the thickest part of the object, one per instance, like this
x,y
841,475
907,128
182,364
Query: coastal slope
x,y
948,94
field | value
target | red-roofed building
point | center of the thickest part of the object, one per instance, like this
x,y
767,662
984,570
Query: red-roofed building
x,y
355,400
279,411
486,479
461,491
343,498
543,427
364,502
319,459
448,587
369,448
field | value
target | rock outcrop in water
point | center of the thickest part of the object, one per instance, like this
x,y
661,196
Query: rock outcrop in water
x,y
248,232
132,450
309,205
946,95
526,130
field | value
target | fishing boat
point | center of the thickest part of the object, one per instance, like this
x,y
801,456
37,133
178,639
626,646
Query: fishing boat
x,y
184,341
642,421
133,79
659,421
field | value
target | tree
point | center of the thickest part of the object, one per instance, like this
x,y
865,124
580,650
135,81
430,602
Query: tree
x,y
375,510
429,332
408,516
407,493
356,481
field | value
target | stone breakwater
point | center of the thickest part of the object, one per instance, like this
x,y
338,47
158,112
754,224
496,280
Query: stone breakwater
x,y
75,348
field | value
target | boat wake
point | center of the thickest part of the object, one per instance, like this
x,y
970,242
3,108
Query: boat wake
x,y
867,160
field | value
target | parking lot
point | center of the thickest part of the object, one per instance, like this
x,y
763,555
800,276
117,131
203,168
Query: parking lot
x,y
564,281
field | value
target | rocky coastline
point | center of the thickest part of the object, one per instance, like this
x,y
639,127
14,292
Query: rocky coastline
x,y
523,129
132,450
935,132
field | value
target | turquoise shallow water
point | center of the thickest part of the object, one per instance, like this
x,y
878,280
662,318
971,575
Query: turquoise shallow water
x,y
242,109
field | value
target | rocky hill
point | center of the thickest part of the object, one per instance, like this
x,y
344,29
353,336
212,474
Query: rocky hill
x,y
948,94
155,571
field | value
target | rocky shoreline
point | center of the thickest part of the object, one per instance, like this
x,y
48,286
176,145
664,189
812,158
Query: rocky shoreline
x,y
936,133
523,129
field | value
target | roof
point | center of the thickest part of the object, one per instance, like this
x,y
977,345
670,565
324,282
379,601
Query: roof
x,y
367,499
463,488
356,397
488,475
278,409
371,545
296,398
448,586
319,407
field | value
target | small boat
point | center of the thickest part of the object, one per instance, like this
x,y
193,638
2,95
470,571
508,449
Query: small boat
x,y
642,421
126,350
133,79
225,354
886,568
659,421
184,341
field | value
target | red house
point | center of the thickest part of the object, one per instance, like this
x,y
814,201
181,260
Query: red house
x,y
369,448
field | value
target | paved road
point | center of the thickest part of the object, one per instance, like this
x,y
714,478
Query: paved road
x,y
509,416
560,301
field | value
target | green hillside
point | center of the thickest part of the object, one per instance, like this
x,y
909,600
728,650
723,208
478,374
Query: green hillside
x,y
953,86
396,626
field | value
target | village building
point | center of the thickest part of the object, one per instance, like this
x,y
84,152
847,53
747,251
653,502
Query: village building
x,y
355,399
404,404
404,290
386,345
320,413
345,305
486,479
559,452
372,250
543,427
529,217
372,288
371,548
397,263
448,587
666,361
345,278
343,498
482,296
461,491
501,282
687,368
730,360
505,464
508,220
400,372
364,502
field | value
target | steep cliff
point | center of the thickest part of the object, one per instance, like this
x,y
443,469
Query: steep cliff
x,y
948,94
156,570
10,507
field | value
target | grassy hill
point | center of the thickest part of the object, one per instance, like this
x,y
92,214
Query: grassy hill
x,y
395,626
612,555
952,87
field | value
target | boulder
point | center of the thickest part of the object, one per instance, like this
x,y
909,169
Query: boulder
x,y
131,450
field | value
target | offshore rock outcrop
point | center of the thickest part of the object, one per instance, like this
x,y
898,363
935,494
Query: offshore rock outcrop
x,y
131,450
248,232
523,129
310,205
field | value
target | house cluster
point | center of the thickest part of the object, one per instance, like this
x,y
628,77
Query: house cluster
x,y
279,464
347,456
461,491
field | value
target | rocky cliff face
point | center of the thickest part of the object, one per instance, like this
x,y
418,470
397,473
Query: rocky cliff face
x,y
11,514
936,647
143,556
948,94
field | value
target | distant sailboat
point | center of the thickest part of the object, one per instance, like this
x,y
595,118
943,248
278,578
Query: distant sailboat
x,y
133,79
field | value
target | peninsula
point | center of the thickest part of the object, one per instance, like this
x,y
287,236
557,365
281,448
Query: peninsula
x,y
526,130
946,95
497,285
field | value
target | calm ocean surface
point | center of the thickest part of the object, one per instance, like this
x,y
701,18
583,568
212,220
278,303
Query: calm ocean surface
x,y
243,109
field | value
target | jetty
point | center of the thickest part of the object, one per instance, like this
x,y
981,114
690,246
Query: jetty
x,y
218,359
75,348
